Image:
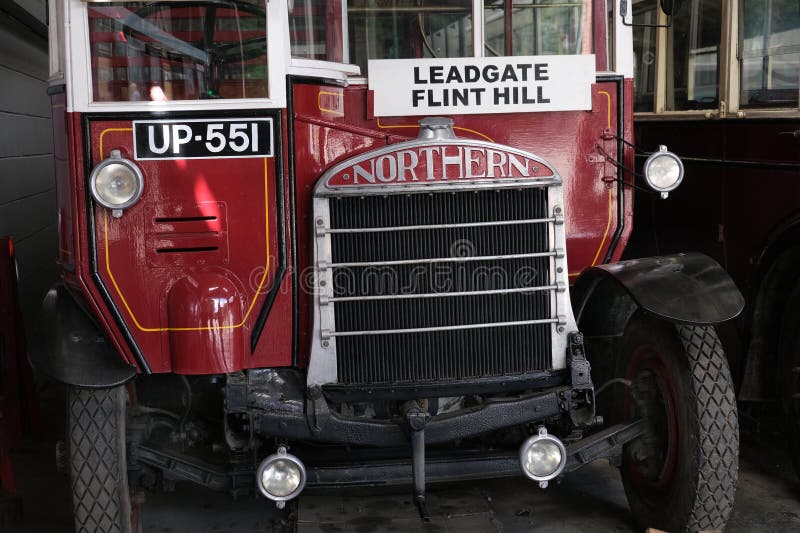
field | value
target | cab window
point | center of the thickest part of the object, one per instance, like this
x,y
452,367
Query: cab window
x,y
178,51
315,27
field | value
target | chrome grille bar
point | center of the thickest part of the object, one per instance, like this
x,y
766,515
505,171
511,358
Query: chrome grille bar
x,y
328,334
438,294
439,226
554,253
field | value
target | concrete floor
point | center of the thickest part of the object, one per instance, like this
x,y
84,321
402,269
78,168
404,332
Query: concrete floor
x,y
590,500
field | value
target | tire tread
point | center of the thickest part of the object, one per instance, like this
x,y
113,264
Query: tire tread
x,y
98,478
716,419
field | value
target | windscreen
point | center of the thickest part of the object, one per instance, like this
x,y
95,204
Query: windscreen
x,y
178,50
315,27
407,29
538,27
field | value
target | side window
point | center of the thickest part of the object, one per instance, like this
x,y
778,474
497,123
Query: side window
x,y
406,29
693,46
770,53
645,18
538,27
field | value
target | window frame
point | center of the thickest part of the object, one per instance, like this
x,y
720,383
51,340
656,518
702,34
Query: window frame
x,y
80,96
76,54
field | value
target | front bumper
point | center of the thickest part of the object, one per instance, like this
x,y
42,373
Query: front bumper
x,y
278,404
322,424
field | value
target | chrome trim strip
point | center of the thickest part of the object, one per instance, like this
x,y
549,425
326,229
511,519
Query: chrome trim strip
x,y
438,294
327,334
560,305
324,266
323,362
441,226
436,186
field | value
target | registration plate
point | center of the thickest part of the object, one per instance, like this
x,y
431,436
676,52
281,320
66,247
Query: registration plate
x,y
203,139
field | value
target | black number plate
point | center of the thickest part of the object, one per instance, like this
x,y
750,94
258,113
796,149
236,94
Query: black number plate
x,y
194,139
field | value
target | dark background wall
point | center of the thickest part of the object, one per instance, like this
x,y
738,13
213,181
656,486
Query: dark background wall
x,y
27,189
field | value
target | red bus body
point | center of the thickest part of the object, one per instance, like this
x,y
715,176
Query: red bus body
x,y
264,252
155,246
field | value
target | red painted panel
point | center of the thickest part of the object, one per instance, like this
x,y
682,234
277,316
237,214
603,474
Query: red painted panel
x,y
211,302
190,264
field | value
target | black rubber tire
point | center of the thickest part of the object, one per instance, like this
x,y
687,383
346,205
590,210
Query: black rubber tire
x,y
789,381
97,460
684,478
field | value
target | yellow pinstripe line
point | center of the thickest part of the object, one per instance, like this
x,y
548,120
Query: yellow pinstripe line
x,y
608,97
103,134
339,96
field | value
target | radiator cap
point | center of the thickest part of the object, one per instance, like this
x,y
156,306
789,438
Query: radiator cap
x,y
436,128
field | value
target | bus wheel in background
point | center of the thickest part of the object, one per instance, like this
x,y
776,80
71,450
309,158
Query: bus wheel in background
x,y
97,461
681,474
788,378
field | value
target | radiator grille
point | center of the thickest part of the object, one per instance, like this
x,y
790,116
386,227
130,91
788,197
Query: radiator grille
x,y
441,286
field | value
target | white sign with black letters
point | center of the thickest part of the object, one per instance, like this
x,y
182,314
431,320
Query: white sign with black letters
x,y
468,86
202,138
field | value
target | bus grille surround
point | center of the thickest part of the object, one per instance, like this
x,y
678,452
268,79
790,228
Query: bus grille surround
x,y
441,286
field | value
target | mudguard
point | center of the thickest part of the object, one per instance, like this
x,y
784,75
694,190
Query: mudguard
x,y
70,348
687,288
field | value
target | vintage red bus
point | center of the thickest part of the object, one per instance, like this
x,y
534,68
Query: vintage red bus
x,y
721,87
325,244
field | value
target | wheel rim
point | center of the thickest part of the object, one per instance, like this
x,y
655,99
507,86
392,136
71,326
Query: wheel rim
x,y
653,459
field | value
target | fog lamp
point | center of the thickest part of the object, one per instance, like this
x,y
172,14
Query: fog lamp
x,y
543,457
116,183
663,171
281,477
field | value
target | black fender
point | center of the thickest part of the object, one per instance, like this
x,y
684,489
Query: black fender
x,y
686,288
69,347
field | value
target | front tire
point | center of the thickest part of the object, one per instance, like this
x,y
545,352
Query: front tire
x,y
681,474
97,460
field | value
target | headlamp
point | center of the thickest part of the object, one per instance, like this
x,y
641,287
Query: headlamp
x,y
281,477
116,183
543,457
663,171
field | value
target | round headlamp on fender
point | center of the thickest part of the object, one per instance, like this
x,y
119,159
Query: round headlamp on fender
x,y
116,183
663,171
281,477
543,457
